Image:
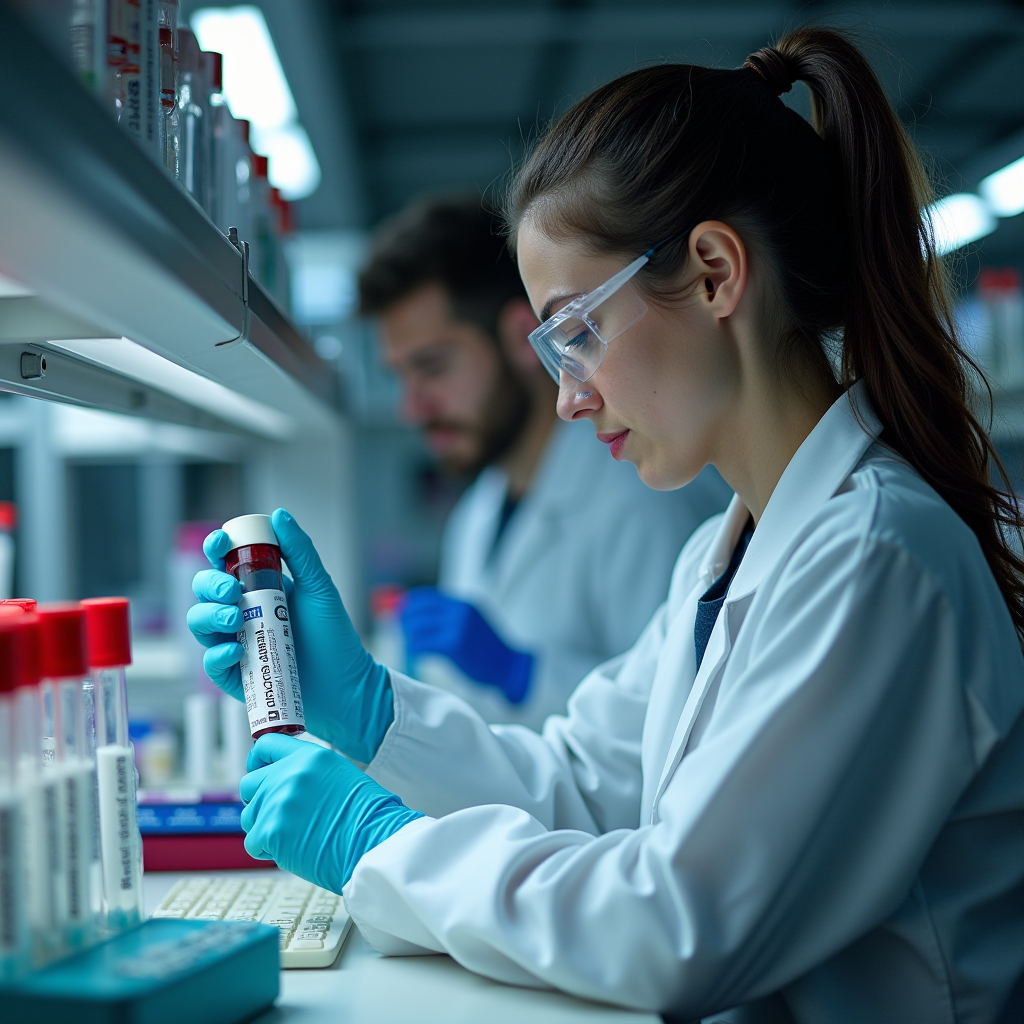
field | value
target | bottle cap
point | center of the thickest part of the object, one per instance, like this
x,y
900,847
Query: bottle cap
x,y
261,165
8,516
243,531
21,604
61,641
107,632
19,651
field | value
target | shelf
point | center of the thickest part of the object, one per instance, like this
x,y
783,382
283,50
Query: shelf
x,y
109,247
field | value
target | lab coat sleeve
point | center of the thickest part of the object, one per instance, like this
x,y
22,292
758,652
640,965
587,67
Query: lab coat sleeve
x,y
834,756
583,770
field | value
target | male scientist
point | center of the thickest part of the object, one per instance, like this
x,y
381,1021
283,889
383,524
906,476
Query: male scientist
x,y
556,555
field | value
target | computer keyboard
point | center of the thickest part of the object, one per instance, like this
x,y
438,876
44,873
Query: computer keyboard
x,y
312,921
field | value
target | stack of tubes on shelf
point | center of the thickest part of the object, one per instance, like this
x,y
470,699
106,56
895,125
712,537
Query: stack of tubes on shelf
x,y
151,76
70,850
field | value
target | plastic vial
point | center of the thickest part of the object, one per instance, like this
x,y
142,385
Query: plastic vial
x,y
15,934
170,122
109,640
63,668
44,853
270,677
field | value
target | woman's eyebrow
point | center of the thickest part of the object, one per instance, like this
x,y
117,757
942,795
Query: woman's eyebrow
x,y
549,306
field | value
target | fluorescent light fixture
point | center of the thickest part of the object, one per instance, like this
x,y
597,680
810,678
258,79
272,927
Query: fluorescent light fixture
x,y
1004,190
129,358
257,91
79,432
958,220
293,167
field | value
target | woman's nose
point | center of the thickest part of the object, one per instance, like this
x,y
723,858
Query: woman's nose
x,y
576,400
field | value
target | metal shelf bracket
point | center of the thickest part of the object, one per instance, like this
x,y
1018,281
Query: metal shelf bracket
x,y
243,335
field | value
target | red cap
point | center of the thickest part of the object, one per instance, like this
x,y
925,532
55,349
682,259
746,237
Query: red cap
x,y
8,516
61,641
261,165
20,604
107,631
19,651
387,599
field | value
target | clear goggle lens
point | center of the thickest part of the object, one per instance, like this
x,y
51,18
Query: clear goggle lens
x,y
574,341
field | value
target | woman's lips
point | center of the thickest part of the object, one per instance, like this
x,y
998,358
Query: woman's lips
x,y
614,442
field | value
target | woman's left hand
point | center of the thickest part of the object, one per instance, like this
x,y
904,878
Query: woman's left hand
x,y
312,811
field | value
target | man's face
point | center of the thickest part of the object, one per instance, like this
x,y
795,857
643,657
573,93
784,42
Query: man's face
x,y
457,384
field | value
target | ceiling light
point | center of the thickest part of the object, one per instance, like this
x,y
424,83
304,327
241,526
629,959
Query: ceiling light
x,y
257,91
131,359
293,167
958,220
1004,190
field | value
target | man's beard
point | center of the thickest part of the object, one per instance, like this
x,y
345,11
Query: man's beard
x,y
503,416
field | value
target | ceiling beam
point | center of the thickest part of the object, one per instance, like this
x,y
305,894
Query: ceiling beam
x,y
453,30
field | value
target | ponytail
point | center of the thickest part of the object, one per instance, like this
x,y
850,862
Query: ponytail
x,y
899,336
837,212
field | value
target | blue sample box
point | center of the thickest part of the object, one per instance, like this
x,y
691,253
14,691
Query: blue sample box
x,y
165,971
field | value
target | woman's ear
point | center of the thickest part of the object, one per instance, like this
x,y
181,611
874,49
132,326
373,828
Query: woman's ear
x,y
719,256
515,321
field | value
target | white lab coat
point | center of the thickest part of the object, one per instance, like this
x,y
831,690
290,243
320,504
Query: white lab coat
x,y
831,808
582,565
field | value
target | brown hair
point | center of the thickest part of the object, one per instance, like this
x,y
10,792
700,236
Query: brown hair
x,y
834,209
453,241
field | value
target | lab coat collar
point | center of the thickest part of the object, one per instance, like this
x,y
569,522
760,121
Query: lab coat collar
x,y
828,455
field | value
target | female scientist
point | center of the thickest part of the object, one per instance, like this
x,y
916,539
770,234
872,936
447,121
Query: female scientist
x,y
800,796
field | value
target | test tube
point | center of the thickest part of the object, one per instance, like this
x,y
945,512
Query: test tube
x,y
62,666
109,640
44,853
15,934
270,676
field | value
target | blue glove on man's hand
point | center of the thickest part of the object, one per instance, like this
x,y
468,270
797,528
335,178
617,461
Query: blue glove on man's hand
x,y
313,812
435,623
346,695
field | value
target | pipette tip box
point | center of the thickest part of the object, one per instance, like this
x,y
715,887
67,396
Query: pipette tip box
x,y
165,971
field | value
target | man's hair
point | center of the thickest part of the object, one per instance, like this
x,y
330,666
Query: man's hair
x,y
452,241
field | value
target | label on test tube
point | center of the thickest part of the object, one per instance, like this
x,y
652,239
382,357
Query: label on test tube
x,y
270,677
13,925
118,830
45,866
76,793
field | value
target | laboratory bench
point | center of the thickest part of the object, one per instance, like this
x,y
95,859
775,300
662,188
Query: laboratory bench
x,y
363,987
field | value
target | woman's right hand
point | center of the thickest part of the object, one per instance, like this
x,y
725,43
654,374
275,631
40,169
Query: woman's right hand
x,y
346,694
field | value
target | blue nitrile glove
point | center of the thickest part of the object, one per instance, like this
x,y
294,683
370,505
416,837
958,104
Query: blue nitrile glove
x,y
435,623
313,812
346,695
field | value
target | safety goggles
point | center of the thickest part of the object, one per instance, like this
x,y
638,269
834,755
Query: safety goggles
x,y
575,339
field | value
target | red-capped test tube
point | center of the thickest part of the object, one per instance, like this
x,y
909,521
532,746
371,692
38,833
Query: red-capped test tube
x,y
44,852
270,677
110,651
15,933
63,668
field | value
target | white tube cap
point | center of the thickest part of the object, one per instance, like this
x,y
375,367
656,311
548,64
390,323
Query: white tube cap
x,y
245,530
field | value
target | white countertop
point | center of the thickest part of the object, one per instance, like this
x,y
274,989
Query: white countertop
x,y
364,987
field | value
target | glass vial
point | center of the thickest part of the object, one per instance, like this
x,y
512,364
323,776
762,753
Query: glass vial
x,y
109,652
63,668
270,677
15,934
